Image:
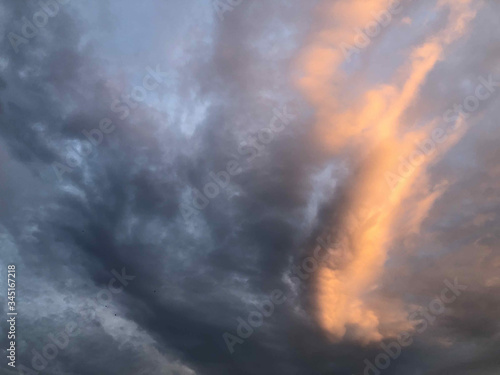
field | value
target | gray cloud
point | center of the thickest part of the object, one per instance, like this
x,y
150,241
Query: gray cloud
x,y
121,206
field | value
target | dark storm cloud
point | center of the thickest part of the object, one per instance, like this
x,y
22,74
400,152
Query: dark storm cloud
x,y
121,206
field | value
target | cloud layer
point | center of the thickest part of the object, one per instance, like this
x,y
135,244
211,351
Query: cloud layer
x,y
265,129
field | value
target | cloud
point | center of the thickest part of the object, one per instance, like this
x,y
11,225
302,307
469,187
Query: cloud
x,y
120,206
372,122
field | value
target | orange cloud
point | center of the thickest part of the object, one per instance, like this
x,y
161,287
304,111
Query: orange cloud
x,y
373,125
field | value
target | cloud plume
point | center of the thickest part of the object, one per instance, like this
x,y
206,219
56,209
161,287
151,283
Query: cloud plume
x,y
369,129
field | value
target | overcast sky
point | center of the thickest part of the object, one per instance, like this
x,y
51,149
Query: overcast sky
x,y
251,187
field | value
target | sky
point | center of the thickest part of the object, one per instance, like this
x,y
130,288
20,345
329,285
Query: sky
x,y
250,187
